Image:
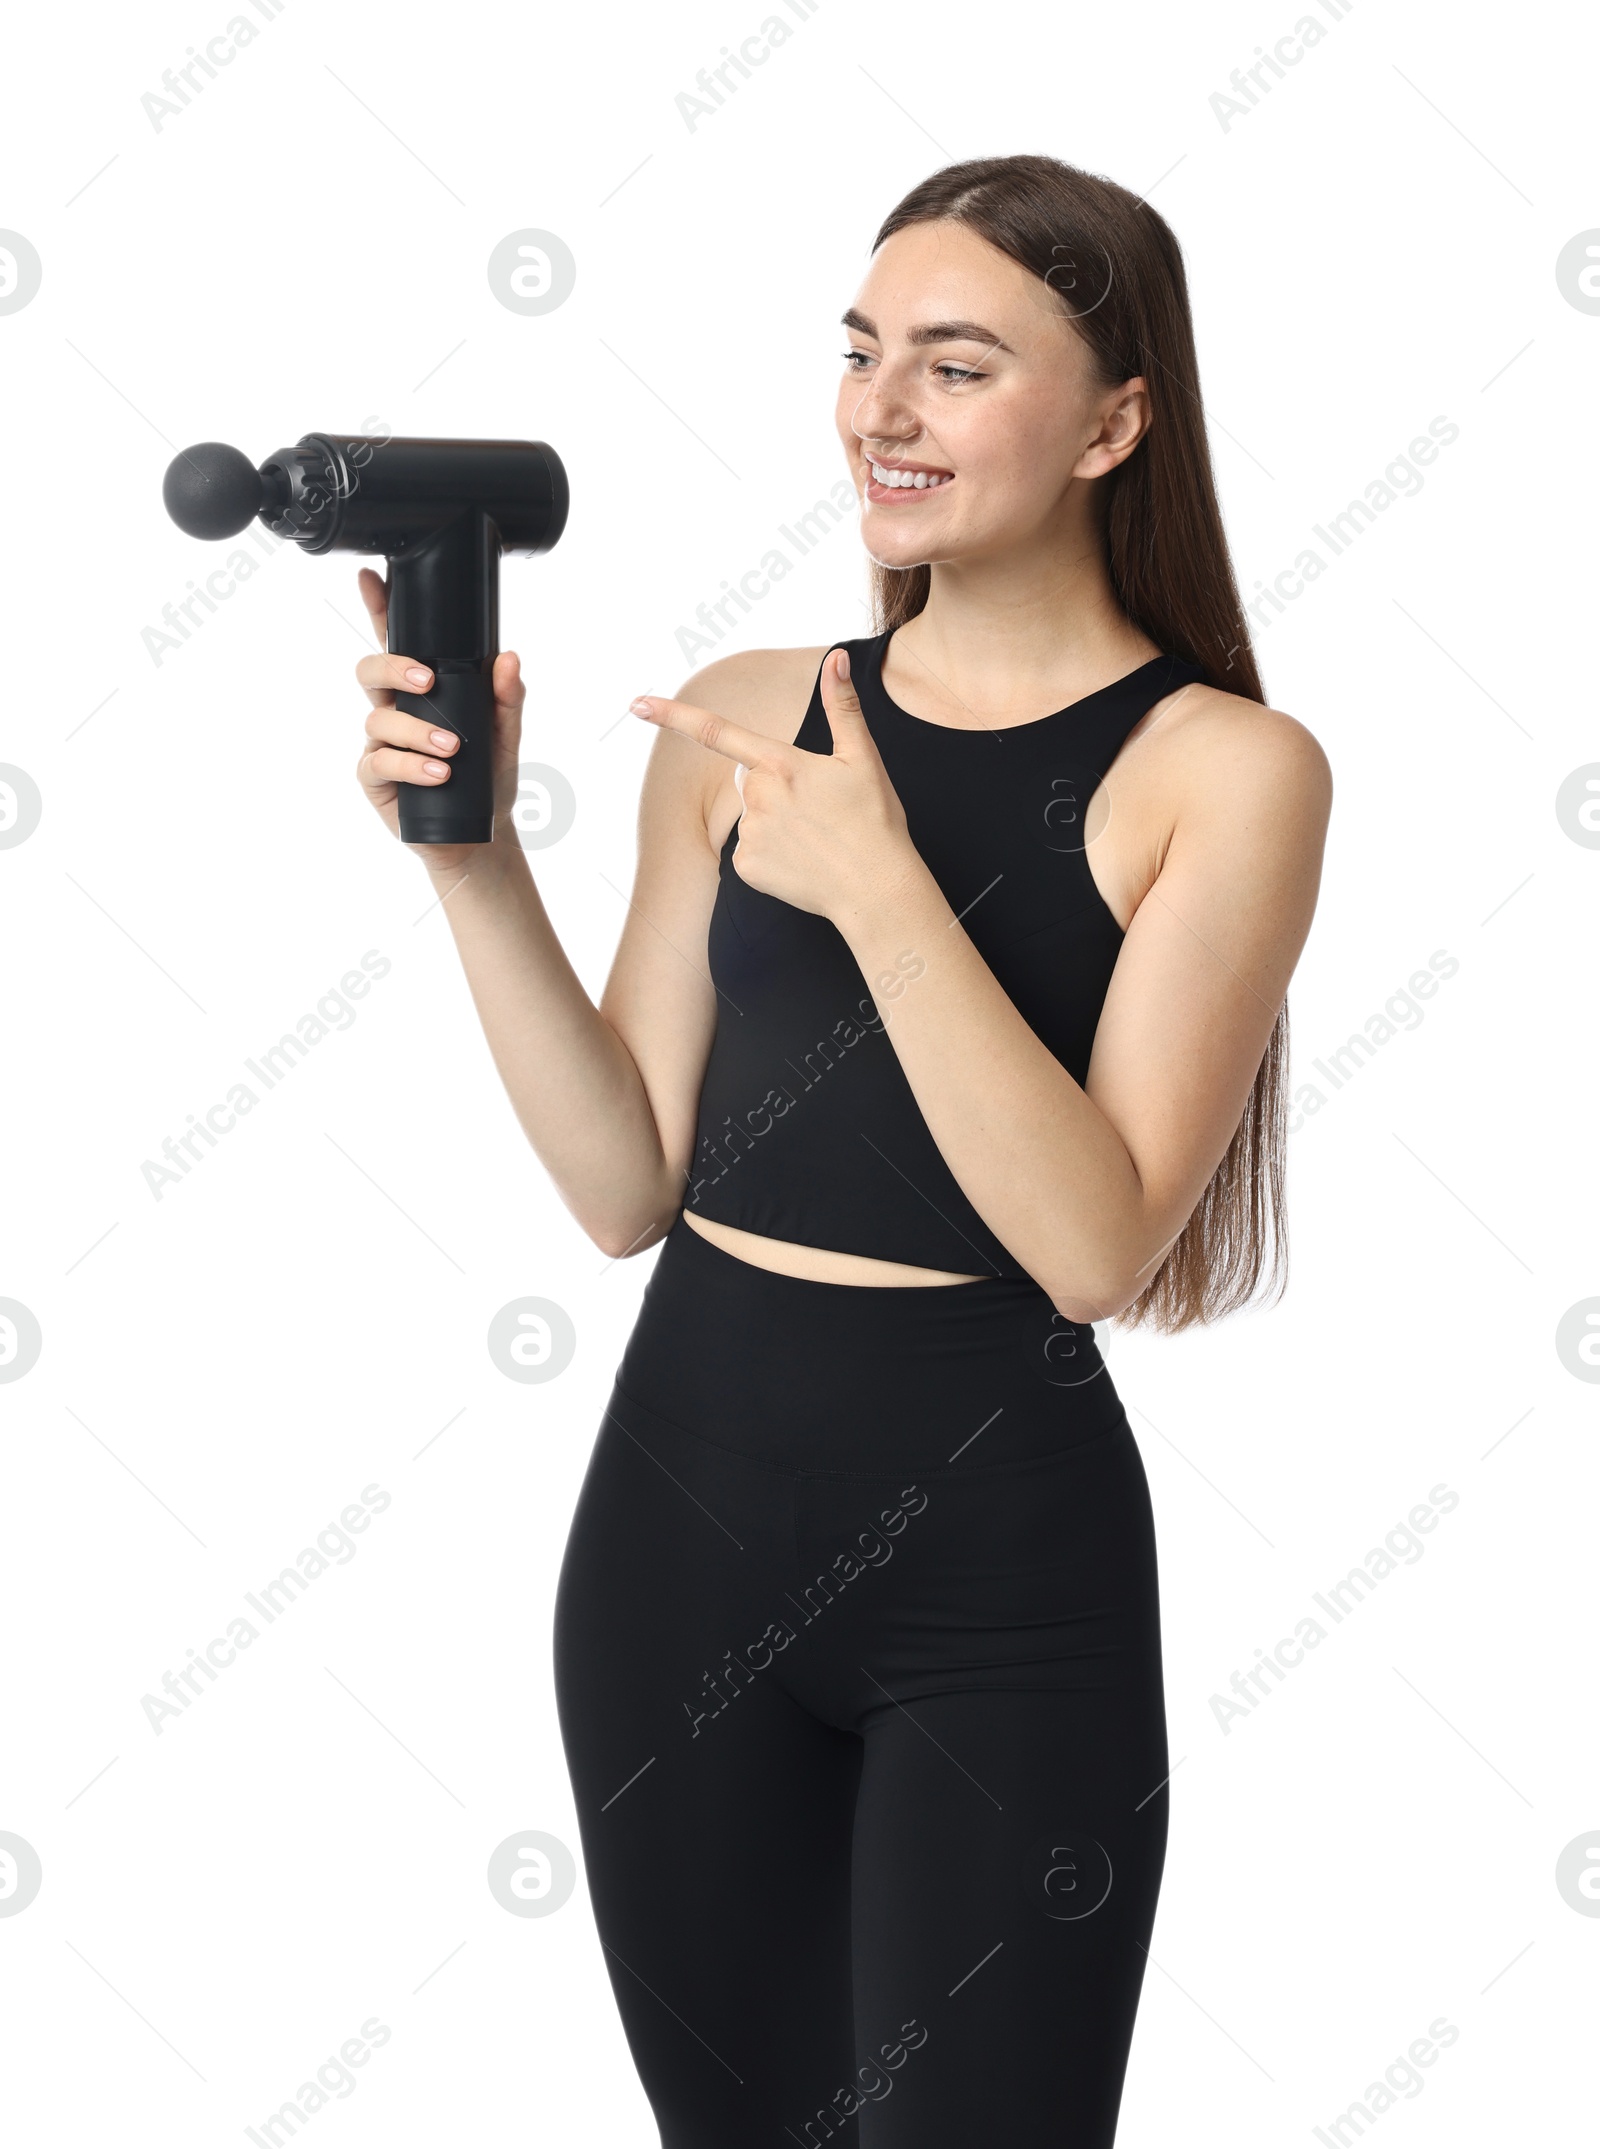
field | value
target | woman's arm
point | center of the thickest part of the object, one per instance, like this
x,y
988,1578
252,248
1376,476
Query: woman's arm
x,y
1089,1186
587,1105
606,1095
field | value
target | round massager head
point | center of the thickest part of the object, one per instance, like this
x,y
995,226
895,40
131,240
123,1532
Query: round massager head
x,y
212,490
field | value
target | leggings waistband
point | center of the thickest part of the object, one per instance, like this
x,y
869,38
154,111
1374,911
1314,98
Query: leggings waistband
x,y
826,1376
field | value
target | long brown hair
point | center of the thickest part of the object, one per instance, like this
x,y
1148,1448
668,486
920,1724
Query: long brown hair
x,y
1118,271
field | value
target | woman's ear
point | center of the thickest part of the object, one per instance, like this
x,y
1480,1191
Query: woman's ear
x,y
1124,421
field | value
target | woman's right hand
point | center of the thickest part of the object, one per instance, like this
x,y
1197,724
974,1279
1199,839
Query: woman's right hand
x,y
408,749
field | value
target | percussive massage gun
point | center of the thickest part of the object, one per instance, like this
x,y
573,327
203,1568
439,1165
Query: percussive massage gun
x,y
441,512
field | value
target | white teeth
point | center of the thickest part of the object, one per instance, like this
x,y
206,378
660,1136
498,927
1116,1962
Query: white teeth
x,y
921,479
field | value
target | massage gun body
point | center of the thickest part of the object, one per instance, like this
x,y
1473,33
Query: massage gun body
x,y
441,512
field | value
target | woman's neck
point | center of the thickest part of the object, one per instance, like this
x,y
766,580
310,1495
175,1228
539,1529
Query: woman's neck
x,y
1013,636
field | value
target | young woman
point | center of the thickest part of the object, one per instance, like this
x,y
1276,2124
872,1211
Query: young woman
x,y
948,1019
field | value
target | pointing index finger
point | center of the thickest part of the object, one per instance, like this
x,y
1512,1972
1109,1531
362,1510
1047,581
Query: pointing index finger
x,y
713,731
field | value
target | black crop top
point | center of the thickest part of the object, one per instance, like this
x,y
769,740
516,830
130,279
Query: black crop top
x,y
808,1129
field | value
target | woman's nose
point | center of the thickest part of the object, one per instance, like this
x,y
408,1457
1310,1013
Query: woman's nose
x,y
883,418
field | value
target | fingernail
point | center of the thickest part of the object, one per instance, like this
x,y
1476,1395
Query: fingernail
x,y
436,768
642,705
418,676
842,659
443,738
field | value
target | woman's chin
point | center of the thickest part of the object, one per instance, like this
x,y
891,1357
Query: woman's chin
x,y
885,553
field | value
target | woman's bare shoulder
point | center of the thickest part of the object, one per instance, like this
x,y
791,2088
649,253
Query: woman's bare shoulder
x,y
1228,745
765,690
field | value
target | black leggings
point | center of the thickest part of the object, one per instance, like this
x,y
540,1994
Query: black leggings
x,y
858,1668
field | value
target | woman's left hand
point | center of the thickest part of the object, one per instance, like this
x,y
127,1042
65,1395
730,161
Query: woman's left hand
x,y
825,832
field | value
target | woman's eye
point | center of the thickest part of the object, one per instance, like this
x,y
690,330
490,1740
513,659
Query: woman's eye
x,y
952,375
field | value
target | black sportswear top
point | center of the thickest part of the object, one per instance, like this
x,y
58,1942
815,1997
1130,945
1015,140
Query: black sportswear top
x,y
808,1129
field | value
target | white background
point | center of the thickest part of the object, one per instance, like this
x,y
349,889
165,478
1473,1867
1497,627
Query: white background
x,y
224,1369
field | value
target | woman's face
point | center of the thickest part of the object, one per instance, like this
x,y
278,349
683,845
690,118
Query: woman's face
x,y
962,365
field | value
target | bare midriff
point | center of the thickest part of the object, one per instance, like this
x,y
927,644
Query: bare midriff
x,y
815,1264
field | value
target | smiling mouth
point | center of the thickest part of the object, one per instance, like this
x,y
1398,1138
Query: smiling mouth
x,y
903,481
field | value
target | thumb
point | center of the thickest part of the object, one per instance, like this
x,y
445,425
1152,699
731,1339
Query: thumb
x,y
842,706
510,688
375,596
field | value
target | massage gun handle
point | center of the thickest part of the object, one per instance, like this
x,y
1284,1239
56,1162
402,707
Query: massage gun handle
x,y
460,810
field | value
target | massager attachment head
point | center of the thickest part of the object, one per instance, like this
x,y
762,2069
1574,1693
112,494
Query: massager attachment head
x,y
212,490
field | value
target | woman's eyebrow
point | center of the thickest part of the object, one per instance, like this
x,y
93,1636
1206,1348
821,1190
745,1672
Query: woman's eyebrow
x,y
933,332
